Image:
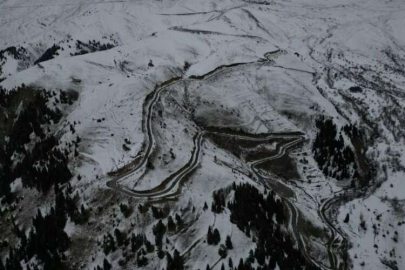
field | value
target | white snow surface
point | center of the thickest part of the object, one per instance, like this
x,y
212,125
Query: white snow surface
x,y
320,41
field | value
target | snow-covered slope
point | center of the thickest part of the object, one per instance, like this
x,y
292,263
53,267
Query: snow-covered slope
x,y
177,100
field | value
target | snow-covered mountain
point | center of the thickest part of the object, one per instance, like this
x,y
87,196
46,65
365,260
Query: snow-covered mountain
x,y
191,134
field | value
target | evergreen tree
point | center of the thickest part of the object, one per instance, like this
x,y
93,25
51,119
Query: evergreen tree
x,y
241,265
218,203
106,265
222,251
159,230
210,237
157,213
230,263
119,237
108,244
176,262
171,226
179,221
347,218
216,237
228,242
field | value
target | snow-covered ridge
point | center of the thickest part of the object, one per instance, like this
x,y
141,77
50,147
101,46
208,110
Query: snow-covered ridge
x,y
342,60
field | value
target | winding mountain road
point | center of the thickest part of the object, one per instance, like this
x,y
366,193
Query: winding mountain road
x,y
150,141
170,185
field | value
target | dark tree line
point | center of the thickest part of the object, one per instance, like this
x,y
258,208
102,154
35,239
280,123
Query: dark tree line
x,y
175,262
213,236
91,46
139,240
159,231
47,241
218,204
48,54
262,218
44,164
334,158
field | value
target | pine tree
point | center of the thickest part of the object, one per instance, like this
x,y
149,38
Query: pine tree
x,y
119,237
160,252
179,221
346,218
176,262
210,236
241,265
106,265
222,251
171,226
159,230
230,263
108,244
216,237
228,242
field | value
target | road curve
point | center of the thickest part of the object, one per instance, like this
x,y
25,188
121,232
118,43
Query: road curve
x,y
166,189
149,139
291,207
336,238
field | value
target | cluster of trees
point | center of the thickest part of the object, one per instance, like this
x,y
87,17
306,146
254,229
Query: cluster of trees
x,y
138,243
108,244
139,240
91,46
48,54
274,246
175,262
334,158
68,97
218,204
158,213
126,210
213,236
140,246
13,51
47,241
44,166
67,205
18,53
45,163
